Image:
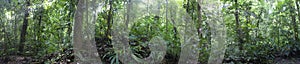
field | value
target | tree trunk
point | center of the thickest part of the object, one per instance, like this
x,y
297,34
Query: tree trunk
x,y
85,50
39,29
238,28
199,19
109,19
167,23
128,12
294,23
24,27
172,18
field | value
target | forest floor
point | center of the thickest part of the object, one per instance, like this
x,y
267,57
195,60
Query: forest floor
x,y
29,60
287,61
66,57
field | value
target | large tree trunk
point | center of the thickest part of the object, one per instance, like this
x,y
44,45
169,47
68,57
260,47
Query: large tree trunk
x,y
24,27
83,34
189,39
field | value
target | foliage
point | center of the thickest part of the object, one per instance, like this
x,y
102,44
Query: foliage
x,y
266,30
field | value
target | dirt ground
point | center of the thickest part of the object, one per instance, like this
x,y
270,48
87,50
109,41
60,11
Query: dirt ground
x,y
287,61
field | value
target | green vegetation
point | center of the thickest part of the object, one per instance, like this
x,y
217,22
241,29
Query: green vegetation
x,y
45,31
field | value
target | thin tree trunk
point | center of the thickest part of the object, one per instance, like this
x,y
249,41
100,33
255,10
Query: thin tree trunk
x,y
199,23
39,31
293,16
296,25
167,23
238,28
128,12
24,27
109,19
174,24
174,28
199,19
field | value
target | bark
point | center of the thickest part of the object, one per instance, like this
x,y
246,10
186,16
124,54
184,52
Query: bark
x,y
174,24
238,28
24,27
128,13
293,16
200,23
295,24
83,31
77,31
167,23
109,19
199,19
174,30
40,28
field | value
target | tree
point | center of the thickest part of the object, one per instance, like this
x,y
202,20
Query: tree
x,y
237,23
199,18
24,27
295,23
83,31
109,19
